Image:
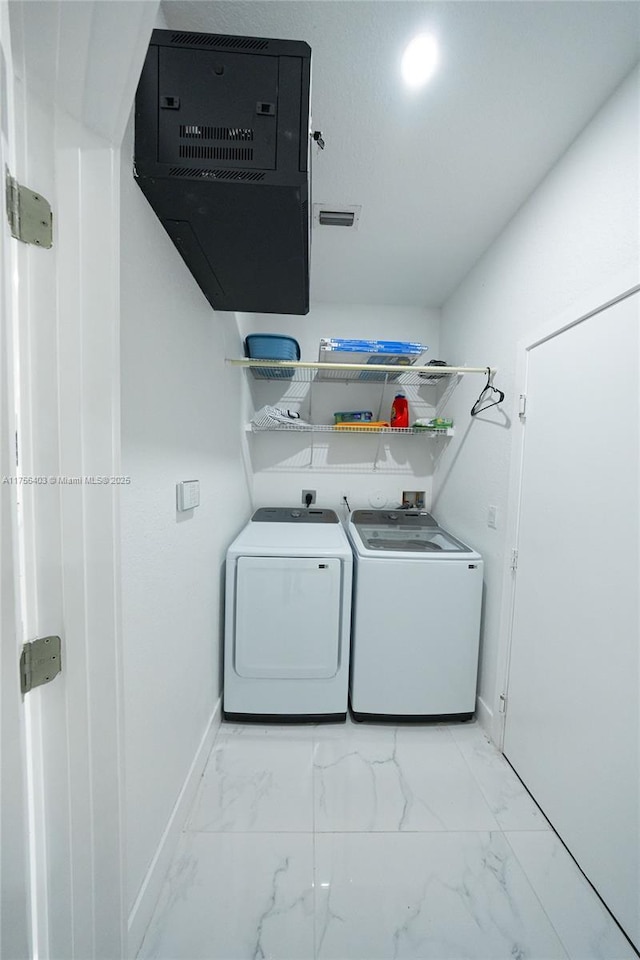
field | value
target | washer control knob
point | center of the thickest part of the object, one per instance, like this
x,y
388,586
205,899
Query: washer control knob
x,y
393,516
295,513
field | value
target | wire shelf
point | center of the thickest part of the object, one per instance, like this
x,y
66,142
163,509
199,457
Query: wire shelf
x,y
361,373
348,429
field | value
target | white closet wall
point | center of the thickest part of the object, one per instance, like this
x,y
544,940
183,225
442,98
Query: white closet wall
x,y
574,241
180,421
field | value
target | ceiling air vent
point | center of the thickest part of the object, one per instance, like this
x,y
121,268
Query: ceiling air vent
x,y
336,218
328,215
214,40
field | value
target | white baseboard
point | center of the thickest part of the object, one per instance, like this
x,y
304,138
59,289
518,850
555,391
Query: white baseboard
x,y
484,716
143,908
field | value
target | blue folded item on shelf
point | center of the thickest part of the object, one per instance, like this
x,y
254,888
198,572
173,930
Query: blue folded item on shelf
x,y
371,352
338,344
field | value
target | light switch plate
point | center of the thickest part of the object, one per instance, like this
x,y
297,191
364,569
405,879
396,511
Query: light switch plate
x,y
188,494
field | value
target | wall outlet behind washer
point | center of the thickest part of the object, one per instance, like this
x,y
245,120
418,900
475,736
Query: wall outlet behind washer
x,y
305,494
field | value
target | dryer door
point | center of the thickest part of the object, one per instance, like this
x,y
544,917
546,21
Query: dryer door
x,y
287,617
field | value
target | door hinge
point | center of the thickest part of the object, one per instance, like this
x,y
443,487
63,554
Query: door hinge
x,y
522,409
503,703
29,214
40,662
514,559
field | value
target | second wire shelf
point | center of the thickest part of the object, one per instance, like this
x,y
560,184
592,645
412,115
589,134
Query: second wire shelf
x,y
355,428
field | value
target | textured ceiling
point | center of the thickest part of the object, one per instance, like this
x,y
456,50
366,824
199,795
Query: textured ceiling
x,y
439,172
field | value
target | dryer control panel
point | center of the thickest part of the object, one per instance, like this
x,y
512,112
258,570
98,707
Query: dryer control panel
x,y
293,515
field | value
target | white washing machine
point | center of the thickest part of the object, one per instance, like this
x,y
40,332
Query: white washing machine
x,y
287,617
416,618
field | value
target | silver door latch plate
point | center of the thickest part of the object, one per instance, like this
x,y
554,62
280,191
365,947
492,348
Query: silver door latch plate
x,y
29,214
40,662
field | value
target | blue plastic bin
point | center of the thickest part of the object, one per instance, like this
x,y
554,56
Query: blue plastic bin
x,y
271,346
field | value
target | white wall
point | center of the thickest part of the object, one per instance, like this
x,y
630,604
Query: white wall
x,y
180,421
572,245
281,466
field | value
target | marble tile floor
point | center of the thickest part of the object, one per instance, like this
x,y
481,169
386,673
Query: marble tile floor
x,y
371,842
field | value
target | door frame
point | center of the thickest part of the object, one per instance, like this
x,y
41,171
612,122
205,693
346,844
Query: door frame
x,y
15,899
615,288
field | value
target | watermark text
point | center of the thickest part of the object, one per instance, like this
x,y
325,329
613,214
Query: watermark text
x,y
53,481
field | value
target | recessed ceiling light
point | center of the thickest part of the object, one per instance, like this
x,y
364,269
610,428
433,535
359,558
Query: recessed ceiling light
x,y
420,60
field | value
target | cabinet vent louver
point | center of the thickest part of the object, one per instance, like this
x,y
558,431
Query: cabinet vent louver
x,y
214,40
198,151
251,175
194,131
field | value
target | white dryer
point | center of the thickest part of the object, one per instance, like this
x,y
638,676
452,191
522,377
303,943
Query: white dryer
x,y
416,618
287,617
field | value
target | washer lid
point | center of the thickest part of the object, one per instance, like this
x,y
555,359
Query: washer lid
x,y
383,531
393,518
294,515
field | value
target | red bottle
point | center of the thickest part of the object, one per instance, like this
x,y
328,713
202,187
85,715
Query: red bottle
x,y
400,411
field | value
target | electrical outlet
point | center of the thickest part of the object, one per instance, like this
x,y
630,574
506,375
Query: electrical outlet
x,y
306,493
492,516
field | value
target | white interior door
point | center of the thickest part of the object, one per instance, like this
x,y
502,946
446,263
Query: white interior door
x,y
75,68
15,933
572,725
